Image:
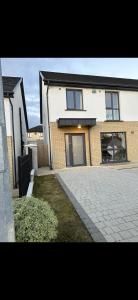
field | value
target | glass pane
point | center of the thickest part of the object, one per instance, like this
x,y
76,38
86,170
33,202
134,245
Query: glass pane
x,y
120,155
77,150
116,114
70,99
78,99
106,140
109,114
108,100
123,140
67,150
117,139
107,156
119,146
115,100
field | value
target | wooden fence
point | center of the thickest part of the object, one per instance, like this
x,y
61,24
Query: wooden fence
x,y
42,152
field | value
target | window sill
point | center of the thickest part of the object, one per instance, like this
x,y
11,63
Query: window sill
x,y
114,162
113,121
75,109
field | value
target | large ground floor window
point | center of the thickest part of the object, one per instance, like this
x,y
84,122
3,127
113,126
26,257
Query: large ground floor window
x,y
113,146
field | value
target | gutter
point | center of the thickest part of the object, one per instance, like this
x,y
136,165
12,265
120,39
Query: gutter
x,y
13,136
49,128
101,86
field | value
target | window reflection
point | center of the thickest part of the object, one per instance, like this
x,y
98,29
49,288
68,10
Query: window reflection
x,y
113,147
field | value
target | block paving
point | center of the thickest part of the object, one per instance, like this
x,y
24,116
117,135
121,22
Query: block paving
x,y
106,199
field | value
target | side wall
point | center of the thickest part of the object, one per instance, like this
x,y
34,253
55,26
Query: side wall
x,y
17,102
45,118
10,158
9,138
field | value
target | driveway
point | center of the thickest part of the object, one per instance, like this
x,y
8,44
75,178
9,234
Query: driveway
x,y
106,199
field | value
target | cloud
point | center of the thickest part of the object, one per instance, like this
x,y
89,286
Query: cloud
x,y
33,113
32,98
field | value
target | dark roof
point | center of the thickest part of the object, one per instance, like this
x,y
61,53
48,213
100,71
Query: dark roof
x,y
87,81
9,83
90,80
38,128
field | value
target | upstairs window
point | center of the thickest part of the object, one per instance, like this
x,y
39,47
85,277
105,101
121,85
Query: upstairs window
x,y
74,100
112,106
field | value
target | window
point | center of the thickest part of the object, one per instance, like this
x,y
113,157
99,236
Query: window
x,y
113,146
112,106
74,100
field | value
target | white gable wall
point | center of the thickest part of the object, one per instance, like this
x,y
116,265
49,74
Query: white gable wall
x,y
8,119
17,102
45,117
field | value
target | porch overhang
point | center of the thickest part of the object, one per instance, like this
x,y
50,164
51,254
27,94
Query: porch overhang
x,y
75,122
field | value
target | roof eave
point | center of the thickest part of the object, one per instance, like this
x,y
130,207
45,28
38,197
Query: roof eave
x,y
8,95
90,85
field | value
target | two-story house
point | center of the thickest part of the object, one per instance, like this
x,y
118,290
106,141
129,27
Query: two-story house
x,y
88,120
16,122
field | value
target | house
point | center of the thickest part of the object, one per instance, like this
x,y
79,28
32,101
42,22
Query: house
x,y
35,133
88,120
16,122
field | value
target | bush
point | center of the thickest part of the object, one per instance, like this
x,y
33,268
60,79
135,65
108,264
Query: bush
x,y
34,219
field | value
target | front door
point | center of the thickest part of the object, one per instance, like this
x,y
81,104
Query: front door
x,y
75,150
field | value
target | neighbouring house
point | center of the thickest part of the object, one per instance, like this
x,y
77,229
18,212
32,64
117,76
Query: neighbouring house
x,y
35,133
16,122
88,120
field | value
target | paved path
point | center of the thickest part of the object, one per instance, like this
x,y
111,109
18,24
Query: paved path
x,y
106,199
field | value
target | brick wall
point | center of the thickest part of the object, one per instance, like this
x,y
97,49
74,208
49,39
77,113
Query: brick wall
x,y
131,139
58,141
58,144
10,157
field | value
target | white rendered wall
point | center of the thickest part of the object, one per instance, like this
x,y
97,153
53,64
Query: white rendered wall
x,y
94,104
45,118
128,105
7,108
17,103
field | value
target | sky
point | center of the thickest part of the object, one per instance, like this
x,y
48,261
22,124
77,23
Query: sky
x,y
29,68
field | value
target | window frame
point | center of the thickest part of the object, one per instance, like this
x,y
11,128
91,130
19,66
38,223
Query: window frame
x,y
112,108
112,162
74,100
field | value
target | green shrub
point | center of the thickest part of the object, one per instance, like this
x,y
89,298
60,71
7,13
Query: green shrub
x,y
34,219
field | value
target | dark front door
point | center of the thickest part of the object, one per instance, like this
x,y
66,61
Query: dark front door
x,y
75,150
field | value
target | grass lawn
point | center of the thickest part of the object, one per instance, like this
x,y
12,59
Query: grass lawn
x,y
70,226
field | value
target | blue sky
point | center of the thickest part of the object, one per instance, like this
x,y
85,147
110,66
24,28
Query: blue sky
x,y
29,68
